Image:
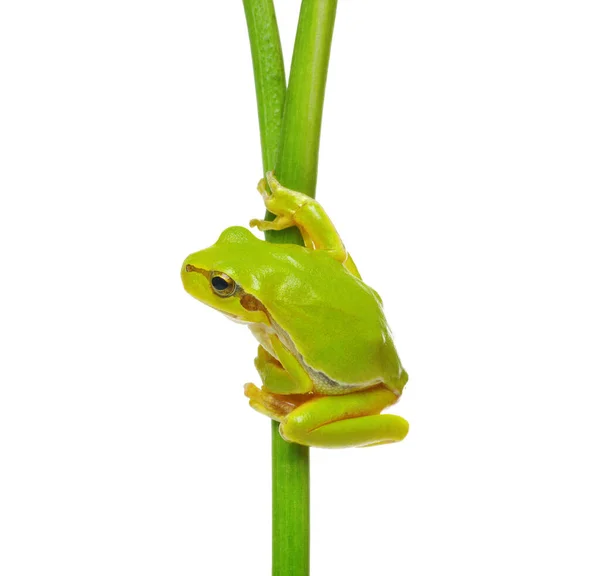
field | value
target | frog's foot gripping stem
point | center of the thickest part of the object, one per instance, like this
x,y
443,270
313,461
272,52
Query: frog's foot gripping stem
x,y
275,406
297,209
280,223
351,420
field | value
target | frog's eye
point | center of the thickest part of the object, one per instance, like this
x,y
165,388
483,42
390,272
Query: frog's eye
x,y
222,284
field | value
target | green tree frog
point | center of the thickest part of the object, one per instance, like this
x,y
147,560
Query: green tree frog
x,y
326,357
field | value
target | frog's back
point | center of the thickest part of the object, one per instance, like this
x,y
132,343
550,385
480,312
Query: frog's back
x,y
335,319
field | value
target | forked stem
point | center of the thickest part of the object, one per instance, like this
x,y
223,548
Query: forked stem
x,y
290,143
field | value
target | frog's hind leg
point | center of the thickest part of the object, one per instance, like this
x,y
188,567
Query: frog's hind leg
x,y
345,421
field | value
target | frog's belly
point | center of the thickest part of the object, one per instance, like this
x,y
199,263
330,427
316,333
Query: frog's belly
x,y
323,384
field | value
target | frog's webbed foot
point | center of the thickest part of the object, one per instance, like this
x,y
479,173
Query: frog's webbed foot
x,y
275,406
293,208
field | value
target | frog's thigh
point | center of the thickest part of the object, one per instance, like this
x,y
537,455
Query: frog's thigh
x,y
274,376
345,421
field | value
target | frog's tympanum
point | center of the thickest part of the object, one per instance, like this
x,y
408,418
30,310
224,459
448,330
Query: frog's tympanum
x,y
326,357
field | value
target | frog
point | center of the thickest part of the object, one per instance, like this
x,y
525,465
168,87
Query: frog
x,y
326,356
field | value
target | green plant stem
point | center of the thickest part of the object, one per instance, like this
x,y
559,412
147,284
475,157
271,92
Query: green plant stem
x,y
290,462
269,75
291,506
298,155
296,152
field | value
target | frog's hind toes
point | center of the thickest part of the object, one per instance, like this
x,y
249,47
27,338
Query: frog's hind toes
x,y
272,405
251,390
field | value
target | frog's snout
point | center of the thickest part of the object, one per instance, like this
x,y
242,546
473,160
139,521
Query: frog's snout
x,y
192,277
191,268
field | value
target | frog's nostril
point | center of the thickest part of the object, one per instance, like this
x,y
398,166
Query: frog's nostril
x,y
189,268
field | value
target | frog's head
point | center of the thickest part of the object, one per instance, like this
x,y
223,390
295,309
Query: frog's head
x,y
218,275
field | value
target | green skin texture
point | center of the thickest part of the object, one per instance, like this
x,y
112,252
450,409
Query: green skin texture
x,y
326,357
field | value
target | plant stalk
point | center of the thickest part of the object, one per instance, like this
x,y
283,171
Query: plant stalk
x,y
291,145
269,75
298,154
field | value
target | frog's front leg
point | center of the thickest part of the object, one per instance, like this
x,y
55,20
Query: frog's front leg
x,y
281,221
286,384
345,421
278,379
293,208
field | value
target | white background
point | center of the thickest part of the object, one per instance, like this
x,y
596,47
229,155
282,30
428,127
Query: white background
x,y
459,161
